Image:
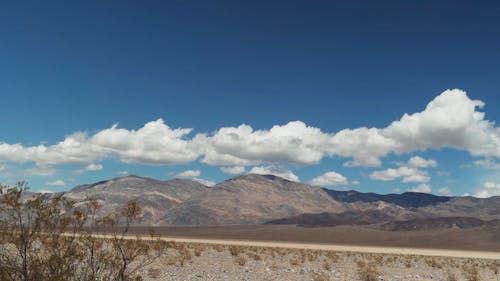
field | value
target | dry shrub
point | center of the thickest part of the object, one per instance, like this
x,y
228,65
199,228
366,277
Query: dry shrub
x,y
320,277
219,248
471,273
254,256
450,276
241,260
154,272
275,266
495,267
326,266
368,272
52,238
198,250
433,263
235,250
332,256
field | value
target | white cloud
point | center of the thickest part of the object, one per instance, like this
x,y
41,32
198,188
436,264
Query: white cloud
x,y
294,142
355,182
40,171
407,174
329,179
234,170
488,189
277,171
189,174
487,163
443,173
451,120
444,191
204,181
153,144
122,173
419,162
422,188
44,191
55,183
93,167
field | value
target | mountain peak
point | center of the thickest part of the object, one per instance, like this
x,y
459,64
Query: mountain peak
x,y
258,177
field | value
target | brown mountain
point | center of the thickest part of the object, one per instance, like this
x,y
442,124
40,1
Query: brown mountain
x,y
255,199
482,208
252,199
157,197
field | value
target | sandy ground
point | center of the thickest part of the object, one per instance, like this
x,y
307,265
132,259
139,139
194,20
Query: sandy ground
x,y
449,239
330,247
189,261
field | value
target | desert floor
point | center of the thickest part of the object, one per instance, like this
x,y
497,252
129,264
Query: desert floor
x,y
227,261
327,253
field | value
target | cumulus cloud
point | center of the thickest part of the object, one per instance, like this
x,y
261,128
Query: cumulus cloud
x,y
189,174
277,171
194,175
451,120
40,171
55,183
234,170
93,167
487,163
153,144
204,181
44,191
444,191
329,179
406,174
294,142
488,189
422,188
419,162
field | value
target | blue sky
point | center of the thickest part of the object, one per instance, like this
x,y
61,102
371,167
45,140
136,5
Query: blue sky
x,y
87,65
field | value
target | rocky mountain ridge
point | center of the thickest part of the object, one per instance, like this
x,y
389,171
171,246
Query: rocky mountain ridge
x,y
256,199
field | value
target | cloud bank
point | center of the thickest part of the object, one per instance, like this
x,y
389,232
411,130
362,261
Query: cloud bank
x,y
451,120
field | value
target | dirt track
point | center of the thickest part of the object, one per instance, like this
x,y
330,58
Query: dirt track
x,y
332,247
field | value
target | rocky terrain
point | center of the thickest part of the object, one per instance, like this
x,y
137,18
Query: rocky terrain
x,y
157,197
188,261
252,199
257,199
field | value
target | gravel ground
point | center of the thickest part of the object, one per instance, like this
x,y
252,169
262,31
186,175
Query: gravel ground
x,y
187,261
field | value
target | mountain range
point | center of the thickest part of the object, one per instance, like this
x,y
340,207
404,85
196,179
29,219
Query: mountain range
x,y
258,199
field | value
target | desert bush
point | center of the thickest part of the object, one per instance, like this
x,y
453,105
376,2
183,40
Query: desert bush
x,y
326,266
154,272
332,256
241,260
471,273
320,277
368,272
450,276
234,250
47,237
433,263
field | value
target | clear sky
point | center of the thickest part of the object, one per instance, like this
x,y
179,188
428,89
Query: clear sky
x,y
92,90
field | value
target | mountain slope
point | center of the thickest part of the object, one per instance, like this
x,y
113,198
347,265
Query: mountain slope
x,y
251,199
482,208
156,196
407,199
